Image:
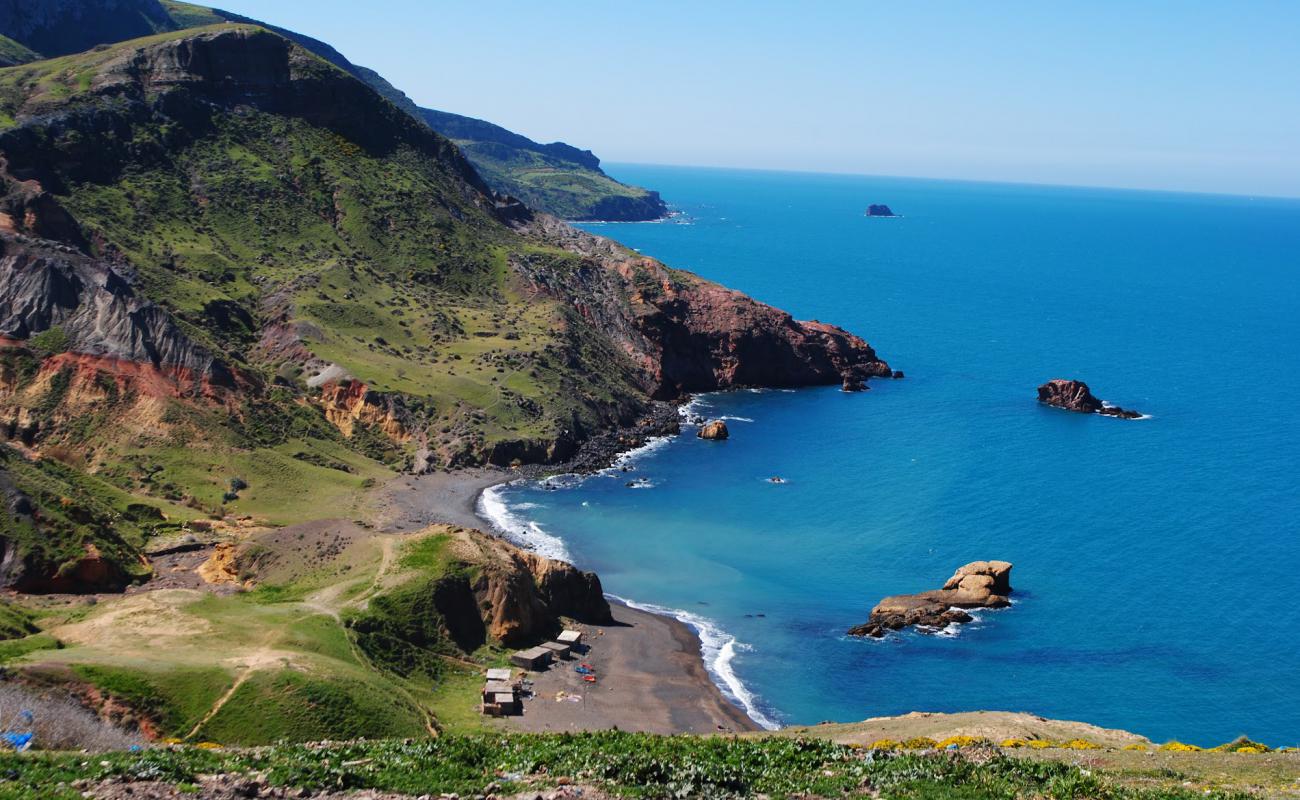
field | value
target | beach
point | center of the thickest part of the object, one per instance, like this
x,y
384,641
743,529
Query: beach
x,y
650,670
650,677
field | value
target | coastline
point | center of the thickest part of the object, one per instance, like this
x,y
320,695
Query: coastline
x,y
665,683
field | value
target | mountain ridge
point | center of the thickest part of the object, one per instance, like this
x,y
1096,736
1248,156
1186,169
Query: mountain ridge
x,y
557,178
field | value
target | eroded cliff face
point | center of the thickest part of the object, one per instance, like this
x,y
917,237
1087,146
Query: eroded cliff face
x,y
348,403
96,312
521,595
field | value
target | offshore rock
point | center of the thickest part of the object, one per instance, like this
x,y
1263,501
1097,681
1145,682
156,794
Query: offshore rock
x,y
879,210
980,584
714,431
1074,395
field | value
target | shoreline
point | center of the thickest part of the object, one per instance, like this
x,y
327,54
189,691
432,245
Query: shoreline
x,y
673,688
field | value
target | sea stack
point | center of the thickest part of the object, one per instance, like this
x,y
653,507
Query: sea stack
x,y
714,431
880,210
980,584
1074,395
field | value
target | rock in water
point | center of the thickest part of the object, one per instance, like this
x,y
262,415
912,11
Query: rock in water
x,y
715,430
980,584
1076,396
879,210
853,383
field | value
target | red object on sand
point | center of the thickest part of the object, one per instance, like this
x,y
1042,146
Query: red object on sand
x,y
589,678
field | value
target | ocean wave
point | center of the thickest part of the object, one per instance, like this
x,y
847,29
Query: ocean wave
x,y
492,506
626,457
719,649
735,419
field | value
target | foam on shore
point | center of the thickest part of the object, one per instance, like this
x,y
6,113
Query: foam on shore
x,y
525,533
719,649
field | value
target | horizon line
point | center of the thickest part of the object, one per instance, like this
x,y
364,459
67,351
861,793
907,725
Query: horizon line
x,y
996,182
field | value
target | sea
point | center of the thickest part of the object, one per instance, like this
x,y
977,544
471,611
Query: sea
x,y
1157,561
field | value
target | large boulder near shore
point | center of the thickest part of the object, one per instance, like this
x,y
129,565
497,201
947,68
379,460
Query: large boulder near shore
x,y
1074,395
980,584
715,431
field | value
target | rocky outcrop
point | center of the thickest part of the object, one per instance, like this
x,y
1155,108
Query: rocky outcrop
x,y
685,334
95,311
520,596
348,403
1076,396
714,431
981,584
879,210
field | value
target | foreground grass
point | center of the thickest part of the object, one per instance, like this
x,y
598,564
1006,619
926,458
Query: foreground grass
x,y
637,765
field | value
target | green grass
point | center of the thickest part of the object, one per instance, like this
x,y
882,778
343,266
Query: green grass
x,y
634,765
16,622
16,648
293,706
74,513
175,697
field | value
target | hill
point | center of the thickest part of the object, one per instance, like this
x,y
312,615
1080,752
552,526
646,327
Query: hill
x,y
232,270
556,178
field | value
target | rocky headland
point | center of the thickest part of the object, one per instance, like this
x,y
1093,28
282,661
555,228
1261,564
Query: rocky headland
x,y
980,584
1075,396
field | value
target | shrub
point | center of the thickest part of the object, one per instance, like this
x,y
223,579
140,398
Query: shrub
x,y
920,743
962,741
1041,744
1014,743
1179,747
1136,746
886,744
49,342
1081,744
1242,744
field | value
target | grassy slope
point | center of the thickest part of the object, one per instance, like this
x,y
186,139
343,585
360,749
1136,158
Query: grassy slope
x,y
285,652
75,511
563,188
400,281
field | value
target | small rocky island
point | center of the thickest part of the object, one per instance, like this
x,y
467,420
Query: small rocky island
x,y
880,210
714,431
980,584
1076,396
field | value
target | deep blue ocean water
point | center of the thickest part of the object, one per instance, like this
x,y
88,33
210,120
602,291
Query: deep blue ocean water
x,y
1156,561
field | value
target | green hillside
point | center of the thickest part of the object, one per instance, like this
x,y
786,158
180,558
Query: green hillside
x,y
555,178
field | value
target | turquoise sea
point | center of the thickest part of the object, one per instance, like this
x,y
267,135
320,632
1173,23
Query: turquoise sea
x,y
1156,561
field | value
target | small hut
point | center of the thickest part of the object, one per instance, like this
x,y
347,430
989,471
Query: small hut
x,y
534,659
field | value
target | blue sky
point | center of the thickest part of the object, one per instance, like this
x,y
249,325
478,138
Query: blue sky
x,y
1192,95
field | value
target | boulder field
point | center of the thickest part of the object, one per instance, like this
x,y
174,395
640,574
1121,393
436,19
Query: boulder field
x,y
980,584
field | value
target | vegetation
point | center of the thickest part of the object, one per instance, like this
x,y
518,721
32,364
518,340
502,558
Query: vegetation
x,y
69,514
556,178
635,765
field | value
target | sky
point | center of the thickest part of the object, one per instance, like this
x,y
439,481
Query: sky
x,y
1190,95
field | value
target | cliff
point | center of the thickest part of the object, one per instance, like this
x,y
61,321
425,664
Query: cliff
x,y
481,590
